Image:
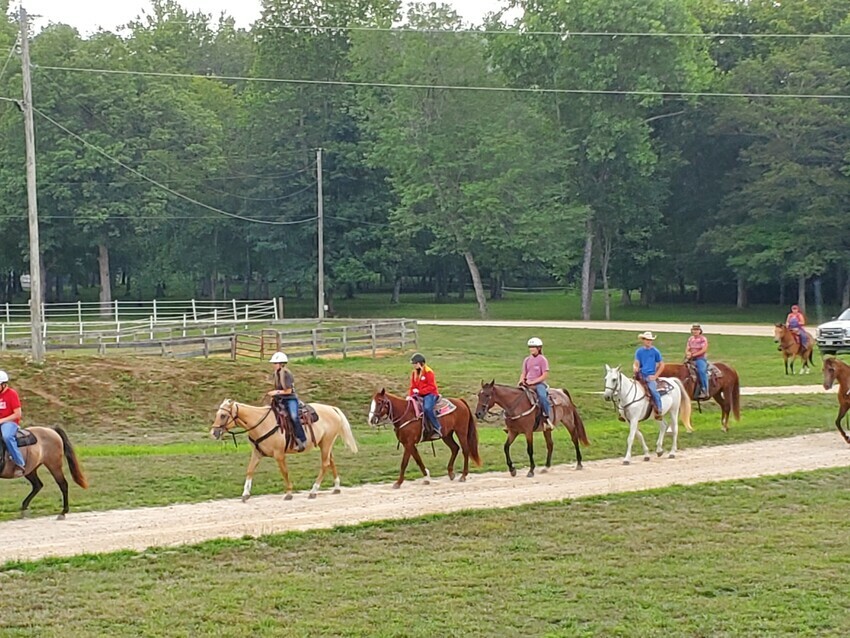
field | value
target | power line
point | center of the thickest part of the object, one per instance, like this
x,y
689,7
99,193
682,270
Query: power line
x,y
451,87
9,57
191,200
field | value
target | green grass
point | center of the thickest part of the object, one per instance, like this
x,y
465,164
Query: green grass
x,y
761,557
141,424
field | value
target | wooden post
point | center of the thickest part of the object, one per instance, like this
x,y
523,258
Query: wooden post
x,y
101,347
403,334
80,311
344,342
8,313
154,310
314,343
117,332
2,336
194,311
235,313
233,347
206,348
215,321
374,341
415,336
151,324
162,348
185,318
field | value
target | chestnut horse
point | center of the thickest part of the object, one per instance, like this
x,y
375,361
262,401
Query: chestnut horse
x,y
836,370
261,426
50,446
408,430
725,389
520,418
791,348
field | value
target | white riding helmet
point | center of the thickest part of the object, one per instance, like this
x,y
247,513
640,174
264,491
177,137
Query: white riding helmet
x,y
534,342
4,378
279,357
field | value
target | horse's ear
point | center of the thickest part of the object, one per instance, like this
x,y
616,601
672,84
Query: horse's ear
x,y
482,383
383,391
492,383
607,368
619,368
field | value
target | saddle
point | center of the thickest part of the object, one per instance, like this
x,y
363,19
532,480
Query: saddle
x,y
308,417
441,408
714,373
24,438
662,385
558,397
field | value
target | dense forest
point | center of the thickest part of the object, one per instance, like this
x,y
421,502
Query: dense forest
x,y
693,149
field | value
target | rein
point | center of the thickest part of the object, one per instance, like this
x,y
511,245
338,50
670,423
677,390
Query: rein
x,y
615,395
507,408
391,416
245,429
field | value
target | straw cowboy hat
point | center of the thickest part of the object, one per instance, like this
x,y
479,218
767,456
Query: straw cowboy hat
x,y
647,335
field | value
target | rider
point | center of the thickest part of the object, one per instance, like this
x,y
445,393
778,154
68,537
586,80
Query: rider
x,y
10,419
284,396
796,322
423,384
695,351
649,364
535,371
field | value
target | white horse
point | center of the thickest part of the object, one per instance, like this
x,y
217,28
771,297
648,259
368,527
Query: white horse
x,y
633,405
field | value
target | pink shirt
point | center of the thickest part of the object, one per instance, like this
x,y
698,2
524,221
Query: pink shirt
x,y
534,367
695,344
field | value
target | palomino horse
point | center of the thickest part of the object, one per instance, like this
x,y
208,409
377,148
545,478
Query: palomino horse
x,y
50,446
725,389
261,426
634,406
408,430
520,417
836,370
791,348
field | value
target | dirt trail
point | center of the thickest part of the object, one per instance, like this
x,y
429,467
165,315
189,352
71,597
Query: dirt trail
x,y
740,330
137,529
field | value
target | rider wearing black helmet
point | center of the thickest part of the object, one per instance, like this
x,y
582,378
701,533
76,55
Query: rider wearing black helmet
x,y
424,385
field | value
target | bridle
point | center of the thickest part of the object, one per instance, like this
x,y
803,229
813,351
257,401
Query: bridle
x,y
615,394
491,401
384,402
235,419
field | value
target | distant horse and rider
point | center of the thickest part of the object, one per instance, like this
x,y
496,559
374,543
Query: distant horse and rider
x,y
795,342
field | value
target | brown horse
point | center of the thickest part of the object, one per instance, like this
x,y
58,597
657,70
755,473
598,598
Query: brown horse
x,y
521,416
261,426
790,347
50,446
836,370
408,430
725,390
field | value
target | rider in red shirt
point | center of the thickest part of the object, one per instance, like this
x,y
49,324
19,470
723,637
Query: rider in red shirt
x,y
10,419
424,385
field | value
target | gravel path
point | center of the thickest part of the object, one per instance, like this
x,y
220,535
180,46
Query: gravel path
x,y
740,330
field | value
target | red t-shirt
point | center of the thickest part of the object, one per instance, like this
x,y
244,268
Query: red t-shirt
x,y
9,402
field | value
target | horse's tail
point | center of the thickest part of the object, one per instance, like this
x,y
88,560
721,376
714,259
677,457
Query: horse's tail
x,y
73,463
472,436
580,432
736,398
684,405
347,434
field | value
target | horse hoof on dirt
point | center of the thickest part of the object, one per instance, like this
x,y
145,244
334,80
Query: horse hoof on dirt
x,y
579,466
626,462
396,486
530,474
26,513
513,472
672,455
245,498
646,458
544,470
337,491
452,476
312,495
659,454
61,517
288,497
463,479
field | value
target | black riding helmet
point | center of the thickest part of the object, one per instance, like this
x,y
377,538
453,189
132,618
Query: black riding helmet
x,y
417,358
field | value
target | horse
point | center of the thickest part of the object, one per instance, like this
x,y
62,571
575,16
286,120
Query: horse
x,y
51,444
790,347
408,430
267,439
634,406
725,389
836,370
520,419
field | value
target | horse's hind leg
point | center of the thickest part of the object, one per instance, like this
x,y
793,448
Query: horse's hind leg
x,y
547,434
464,447
511,437
454,447
59,477
841,412
325,452
284,472
36,483
529,447
335,473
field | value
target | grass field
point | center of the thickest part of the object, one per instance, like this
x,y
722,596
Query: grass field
x,y
141,423
762,557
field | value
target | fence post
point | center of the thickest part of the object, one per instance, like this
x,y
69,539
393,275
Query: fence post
x,y
101,347
215,321
235,314
374,341
233,347
117,332
116,311
194,311
154,310
415,336
403,334
162,348
184,324
246,316
8,313
2,336
152,323
276,309
314,343
80,311
344,342
82,333
206,348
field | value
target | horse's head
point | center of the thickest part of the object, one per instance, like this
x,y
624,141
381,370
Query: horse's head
x,y
829,373
778,332
225,418
380,409
486,399
612,382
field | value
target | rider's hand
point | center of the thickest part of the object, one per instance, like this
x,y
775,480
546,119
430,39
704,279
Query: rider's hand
x,y
416,391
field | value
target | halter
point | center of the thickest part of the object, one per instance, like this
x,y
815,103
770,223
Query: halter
x,y
506,409
234,418
379,405
615,398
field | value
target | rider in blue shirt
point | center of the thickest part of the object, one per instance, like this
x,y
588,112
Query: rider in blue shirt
x,y
649,364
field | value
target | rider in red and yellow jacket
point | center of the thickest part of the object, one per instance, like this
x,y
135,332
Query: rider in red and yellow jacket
x,y
423,384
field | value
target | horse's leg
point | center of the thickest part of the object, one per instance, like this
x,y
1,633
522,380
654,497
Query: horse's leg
x,y
416,457
841,412
249,474
36,483
284,472
464,447
326,463
633,428
454,447
785,356
335,473
550,446
529,447
659,445
59,476
675,448
511,437
405,459
724,400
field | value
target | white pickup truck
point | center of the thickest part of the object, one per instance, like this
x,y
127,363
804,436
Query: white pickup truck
x,y
834,336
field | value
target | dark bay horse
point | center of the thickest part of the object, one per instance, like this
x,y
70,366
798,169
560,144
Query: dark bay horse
x,y
520,417
50,446
791,348
836,370
725,390
408,430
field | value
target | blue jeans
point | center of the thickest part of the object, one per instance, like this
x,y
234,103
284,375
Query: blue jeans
x,y
428,403
702,372
9,430
543,396
653,390
292,408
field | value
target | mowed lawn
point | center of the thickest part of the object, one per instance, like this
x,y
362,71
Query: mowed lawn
x,y
141,424
760,557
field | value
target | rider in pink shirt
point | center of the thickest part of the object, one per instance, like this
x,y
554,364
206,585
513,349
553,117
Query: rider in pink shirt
x,y
535,371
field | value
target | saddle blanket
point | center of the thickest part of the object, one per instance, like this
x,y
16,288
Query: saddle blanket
x,y
24,438
442,408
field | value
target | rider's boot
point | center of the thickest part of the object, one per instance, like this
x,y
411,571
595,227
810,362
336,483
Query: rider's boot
x,y
547,422
19,472
656,413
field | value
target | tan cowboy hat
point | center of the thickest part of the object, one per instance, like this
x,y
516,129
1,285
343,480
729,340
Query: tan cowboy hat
x,y
647,335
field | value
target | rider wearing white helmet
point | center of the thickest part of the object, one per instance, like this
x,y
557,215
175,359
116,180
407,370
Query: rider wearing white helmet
x,y
10,419
283,396
535,371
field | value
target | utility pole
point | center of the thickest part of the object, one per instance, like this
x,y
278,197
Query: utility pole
x,y
32,199
321,233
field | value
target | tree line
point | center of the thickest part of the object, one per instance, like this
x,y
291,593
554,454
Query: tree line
x,y
694,148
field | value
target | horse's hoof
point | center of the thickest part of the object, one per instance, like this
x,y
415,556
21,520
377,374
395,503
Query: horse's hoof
x,y
513,472
25,513
312,495
245,498
646,458
659,454
337,491
544,470
626,462
396,485
579,466
463,479
61,517
672,455
530,474
288,497
426,481
452,476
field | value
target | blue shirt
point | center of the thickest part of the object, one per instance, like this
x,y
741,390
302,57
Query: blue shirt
x,y
648,359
